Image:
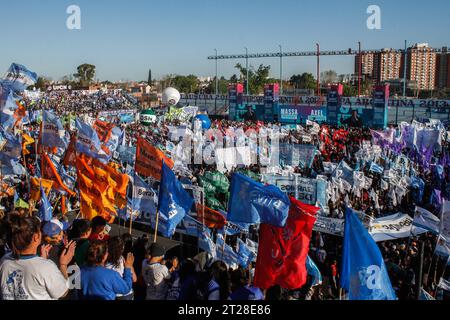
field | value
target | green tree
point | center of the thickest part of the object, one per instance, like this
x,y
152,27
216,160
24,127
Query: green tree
x,y
222,84
349,90
186,84
42,83
257,78
85,74
303,81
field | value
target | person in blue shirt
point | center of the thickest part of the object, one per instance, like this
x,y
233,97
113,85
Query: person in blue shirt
x,y
241,290
100,283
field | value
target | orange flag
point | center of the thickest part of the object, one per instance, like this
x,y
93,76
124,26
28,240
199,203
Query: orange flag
x,y
104,130
35,192
211,218
63,205
70,157
149,160
26,140
49,172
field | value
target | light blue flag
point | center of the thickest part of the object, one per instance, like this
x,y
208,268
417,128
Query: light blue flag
x,y
313,271
173,202
206,243
191,226
233,228
89,143
18,77
52,131
363,275
376,168
225,253
12,148
45,210
253,202
114,139
144,197
8,110
245,255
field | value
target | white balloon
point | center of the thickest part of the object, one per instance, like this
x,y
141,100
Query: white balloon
x,y
170,96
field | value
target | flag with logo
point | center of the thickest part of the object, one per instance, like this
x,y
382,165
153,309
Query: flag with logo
x,y
283,251
49,172
89,143
11,112
252,202
144,197
173,202
52,130
18,77
424,219
149,160
363,275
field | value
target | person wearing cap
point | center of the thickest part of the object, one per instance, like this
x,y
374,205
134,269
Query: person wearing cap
x,y
52,242
155,274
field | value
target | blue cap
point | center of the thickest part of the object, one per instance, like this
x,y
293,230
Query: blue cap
x,y
54,227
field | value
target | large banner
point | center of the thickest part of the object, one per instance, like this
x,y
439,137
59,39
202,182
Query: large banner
x,y
310,191
392,227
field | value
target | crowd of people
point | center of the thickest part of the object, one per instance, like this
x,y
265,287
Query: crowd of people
x,y
81,259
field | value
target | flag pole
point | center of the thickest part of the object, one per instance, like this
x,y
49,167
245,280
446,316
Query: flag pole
x,y
156,226
422,248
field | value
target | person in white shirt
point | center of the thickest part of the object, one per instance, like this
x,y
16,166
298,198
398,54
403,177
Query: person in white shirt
x,y
26,276
156,275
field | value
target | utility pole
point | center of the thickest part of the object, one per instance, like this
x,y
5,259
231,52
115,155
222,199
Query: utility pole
x,y
359,68
318,69
281,70
405,55
217,80
246,68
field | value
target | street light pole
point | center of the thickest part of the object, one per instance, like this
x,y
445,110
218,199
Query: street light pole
x,y
405,55
217,80
281,70
359,68
246,68
318,69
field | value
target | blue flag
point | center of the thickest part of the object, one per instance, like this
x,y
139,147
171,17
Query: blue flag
x,y
144,197
252,202
89,143
18,77
173,202
8,109
363,275
225,253
45,210
376,168
52,131
206,243
313,271
245,255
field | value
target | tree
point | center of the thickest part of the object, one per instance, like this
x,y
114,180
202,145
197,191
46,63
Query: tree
x,y
349,90
303,81
150,81
186,84
42,83
257,78
222,86
85,74
329,76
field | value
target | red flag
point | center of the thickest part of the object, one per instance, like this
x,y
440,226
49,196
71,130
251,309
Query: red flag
x,y
149,160
211,218
283,251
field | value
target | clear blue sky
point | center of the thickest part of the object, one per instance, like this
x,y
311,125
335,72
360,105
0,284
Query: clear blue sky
x,y
126,38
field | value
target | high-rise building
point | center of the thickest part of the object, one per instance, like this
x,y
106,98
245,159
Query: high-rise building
x,y
386,65
443,69
421,66
367,64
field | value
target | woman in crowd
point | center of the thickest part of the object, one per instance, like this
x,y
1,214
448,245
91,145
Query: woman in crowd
x,y
26,276
100,283
116,262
